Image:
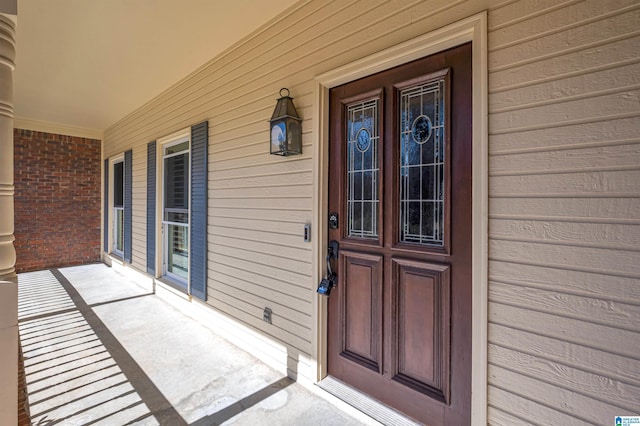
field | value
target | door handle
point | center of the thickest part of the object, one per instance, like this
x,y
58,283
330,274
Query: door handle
x,y
331,280
332,250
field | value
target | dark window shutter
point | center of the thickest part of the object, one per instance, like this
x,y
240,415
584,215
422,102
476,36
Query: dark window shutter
x,y
151,208
198,229
106,205
127,205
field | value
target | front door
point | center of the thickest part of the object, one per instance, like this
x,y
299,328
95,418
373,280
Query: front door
x,y
400,186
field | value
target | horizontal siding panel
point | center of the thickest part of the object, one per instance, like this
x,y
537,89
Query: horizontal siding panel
x,y
625,102
516,11
556,20
255,321
232,285
239,134
285,252
588,410
518,411
267,282
602,235
271,166
605,312
585,159
285,277
583,135
267,215
614,340
283,179
605,184
567,88
293,190
256,147
600,362
558,43
566,257
272,259
587,284
261,225
302,204
586,383
139,220
564,211
275,239
244,146
613,53
282,317
236,130
592,210
234,116
499,417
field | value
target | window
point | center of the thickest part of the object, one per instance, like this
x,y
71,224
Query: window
x,y
175,214
177,209
118,208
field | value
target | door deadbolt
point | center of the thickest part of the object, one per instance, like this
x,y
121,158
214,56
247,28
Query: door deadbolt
x,y
333,220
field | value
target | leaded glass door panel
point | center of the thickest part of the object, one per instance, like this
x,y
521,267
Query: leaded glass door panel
x,y
400,180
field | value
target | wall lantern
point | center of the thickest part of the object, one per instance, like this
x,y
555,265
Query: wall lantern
x,y
286,127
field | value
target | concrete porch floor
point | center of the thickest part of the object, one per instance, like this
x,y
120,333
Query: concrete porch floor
x,y
100,348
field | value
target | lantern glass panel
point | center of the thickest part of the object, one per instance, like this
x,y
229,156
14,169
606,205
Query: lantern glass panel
x,y
295,137
278,138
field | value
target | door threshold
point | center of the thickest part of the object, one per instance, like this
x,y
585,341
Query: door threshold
x,y
371,407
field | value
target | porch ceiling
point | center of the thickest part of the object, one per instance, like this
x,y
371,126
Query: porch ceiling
x,y
88,64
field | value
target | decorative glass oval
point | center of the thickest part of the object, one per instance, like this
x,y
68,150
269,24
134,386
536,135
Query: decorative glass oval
x,y
421,129
363,140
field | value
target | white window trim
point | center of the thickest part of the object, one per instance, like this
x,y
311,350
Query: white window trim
x,y
474,29
178,137
112,162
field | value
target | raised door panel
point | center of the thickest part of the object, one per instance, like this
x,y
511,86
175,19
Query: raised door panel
x,y
362,308
422,326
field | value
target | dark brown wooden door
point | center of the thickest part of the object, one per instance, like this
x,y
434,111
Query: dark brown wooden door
x,y
400,182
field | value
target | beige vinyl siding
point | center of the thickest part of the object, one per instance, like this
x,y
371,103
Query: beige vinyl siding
x,y
564,197
139,207
564,212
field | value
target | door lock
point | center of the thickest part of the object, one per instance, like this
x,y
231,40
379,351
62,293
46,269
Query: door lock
x,y
333,220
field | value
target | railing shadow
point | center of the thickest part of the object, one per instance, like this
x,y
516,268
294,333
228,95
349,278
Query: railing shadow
x,y
77,372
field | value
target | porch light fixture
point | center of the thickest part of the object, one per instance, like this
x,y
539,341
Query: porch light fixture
x,y
286,127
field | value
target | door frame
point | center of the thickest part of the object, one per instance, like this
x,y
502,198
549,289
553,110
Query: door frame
x,y
474,29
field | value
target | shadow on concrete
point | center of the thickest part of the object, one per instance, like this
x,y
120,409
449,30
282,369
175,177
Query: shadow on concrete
x,y
162,410
238,407
143,362
123,299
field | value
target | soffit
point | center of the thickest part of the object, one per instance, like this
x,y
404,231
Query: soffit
x,y
87,64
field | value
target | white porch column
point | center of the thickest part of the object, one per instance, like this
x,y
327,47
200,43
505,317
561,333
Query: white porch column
x,y
8,280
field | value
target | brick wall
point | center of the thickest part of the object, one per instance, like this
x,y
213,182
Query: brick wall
x,y
57,200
